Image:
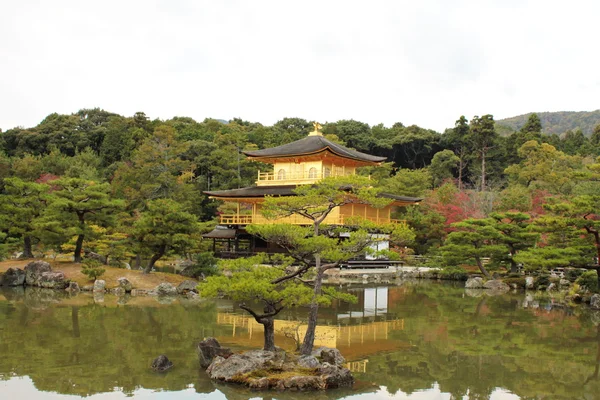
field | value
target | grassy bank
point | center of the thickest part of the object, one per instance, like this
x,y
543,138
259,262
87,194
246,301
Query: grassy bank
x,y
72,272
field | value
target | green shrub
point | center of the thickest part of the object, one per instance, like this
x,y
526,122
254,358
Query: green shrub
x,y
572,274
91,268
542,282
589,281
116,264
204,264
453,273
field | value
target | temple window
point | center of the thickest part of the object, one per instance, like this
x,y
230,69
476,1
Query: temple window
x,y
281,174
312,173
326,172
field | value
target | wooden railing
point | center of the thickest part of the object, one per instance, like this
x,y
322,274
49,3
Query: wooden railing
x,y
273,178
245,219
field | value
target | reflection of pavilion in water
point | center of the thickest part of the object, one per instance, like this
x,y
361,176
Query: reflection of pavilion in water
x,y
357,330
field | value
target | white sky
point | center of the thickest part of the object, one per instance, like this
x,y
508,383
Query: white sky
x,y
415,62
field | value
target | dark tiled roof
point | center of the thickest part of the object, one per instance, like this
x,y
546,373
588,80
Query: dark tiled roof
x,y
255,191
401,198
220,232
288,190
311,145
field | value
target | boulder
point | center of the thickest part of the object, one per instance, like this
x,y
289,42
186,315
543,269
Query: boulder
x,y
99,285
259,384
260,369
87,288
226,369
301,382
139,292
73,287
496,285
474,283
34,271
125,284
529,282
161,363
564,282
53,280
165,289
193,296
335,376
552,287
187,286
595,301
308,362
118,291
13,277
330,356
210,348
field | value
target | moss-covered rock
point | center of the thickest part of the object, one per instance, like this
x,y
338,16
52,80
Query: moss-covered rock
x,y
260,369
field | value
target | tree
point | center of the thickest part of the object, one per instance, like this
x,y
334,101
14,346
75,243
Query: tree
x,y
408,182
564,228
483,136
157,170
533,124
442,165
544,167
514,234
457,139
87,201
595,138
288,130
22,205
260,279
164,226
356,134
474,239
315,249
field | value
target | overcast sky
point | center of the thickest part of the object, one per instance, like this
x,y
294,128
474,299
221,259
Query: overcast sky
x,y
415,62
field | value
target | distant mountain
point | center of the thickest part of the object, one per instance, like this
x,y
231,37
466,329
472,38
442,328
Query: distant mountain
x,y
556,122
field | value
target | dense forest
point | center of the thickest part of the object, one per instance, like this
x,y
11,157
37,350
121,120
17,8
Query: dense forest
x,y
556,123
133,186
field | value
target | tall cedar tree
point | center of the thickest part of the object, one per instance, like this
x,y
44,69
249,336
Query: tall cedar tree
x,y
483,137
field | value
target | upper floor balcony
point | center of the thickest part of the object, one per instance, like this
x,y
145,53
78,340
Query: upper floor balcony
x,y
312,175
247,219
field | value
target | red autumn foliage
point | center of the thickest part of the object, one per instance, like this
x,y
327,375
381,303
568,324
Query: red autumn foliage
x,y
538,199
45,178
454,205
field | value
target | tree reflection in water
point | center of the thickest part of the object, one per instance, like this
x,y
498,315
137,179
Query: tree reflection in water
x,y
401,339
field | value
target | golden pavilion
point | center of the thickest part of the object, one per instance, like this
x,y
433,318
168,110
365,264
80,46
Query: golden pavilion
x,y
303,162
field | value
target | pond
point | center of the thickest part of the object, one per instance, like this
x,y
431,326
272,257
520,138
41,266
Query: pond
x,y
413,341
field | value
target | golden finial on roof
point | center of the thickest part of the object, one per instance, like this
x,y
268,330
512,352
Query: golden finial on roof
x,y
316,131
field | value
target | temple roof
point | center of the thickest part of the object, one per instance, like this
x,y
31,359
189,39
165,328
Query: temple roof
x,y
311,145
220,232
288,190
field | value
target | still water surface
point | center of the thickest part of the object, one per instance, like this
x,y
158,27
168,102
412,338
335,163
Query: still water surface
x,y
414,341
